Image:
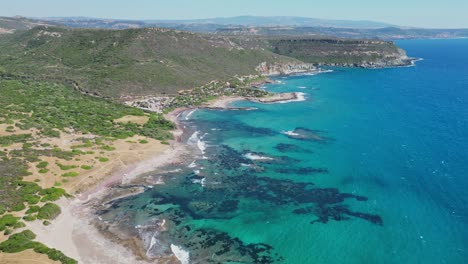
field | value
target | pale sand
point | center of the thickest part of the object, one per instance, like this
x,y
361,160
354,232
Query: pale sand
x,y
223,102
73,233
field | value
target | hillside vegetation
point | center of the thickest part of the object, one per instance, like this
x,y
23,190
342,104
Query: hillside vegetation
x,y
153,61
114,63
12,24
340,52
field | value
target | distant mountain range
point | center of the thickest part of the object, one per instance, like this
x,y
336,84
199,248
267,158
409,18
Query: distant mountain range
x,y
257,21
387,33
247,25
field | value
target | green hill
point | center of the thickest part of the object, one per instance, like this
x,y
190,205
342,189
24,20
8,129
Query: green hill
x,y
154,61
113,63
340,52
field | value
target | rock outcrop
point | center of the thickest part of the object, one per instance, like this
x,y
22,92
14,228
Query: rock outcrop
x,y
396,59
285,69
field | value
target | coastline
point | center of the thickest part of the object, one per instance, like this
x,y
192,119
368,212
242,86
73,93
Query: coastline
x,y
77,231
225,102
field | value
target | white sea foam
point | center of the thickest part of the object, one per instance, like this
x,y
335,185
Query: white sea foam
x,y
290,133
203,182
182,255
202,146
152,243
300,98
159,181
189,114
301,87
252,156
195,140
196,181
193,164
313,73
174,170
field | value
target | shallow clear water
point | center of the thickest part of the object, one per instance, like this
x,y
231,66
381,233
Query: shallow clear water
x,y
376,171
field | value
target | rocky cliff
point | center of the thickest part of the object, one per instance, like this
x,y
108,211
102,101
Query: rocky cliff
x,y
284,69
342,52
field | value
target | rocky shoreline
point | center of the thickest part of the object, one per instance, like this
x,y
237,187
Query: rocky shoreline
x,y
285,69
383,63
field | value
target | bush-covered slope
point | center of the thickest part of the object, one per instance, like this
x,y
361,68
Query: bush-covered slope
x,y
340,52
128,62
330,50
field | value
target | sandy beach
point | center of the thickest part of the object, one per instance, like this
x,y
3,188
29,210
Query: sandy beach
x,y
74,232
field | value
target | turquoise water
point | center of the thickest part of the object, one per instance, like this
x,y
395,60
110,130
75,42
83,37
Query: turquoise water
x,y
374,171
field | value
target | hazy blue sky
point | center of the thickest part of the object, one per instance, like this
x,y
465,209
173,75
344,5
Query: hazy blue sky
x,y
422,13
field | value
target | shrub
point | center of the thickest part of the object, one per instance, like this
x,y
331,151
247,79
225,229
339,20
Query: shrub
x,y
66,167
102,159
7,221
18,207
86,167
49,211
108,148
70,174
31,198
27,145
18,242
52,194
33,209
19,225
42,164
29,218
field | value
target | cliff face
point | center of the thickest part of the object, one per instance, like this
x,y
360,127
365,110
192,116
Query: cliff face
x,y
393,59
342,52
285,69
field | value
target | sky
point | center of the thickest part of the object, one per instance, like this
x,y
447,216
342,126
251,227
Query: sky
x,y
417,13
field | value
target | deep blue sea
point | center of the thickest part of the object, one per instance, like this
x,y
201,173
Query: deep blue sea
x,y
371,168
